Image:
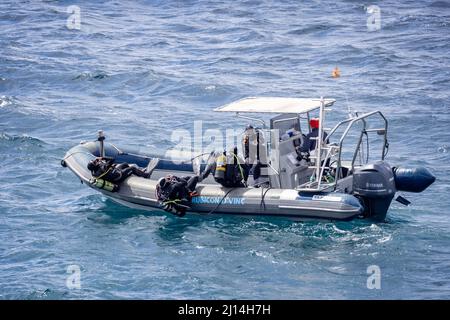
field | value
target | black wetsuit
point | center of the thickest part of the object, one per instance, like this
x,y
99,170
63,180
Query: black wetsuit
x,y
117,173
181,187
176,194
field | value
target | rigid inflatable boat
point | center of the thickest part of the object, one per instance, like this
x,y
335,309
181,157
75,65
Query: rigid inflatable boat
x,y
341,179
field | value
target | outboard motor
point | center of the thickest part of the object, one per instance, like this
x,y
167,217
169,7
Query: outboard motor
x,y
413,179
374,185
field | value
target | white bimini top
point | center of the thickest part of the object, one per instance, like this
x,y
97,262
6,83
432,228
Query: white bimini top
x,y
274,105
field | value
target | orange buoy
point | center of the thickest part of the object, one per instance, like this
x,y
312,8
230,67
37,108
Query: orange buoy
x,y
336,73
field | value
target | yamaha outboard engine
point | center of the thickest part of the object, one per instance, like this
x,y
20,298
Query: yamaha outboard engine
x,y
374,185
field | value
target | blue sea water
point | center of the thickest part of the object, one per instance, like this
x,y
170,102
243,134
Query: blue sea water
x,y
139,69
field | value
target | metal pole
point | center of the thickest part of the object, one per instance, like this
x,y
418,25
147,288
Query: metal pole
x,y
101,138
319,140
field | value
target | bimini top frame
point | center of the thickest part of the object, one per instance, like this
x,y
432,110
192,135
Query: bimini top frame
x,y
281,105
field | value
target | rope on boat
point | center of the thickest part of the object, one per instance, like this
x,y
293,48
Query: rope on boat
x,y
220,202
263,195
200,155
85,152
240,168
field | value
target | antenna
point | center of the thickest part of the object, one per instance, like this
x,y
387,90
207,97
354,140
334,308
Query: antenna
x,y
351,114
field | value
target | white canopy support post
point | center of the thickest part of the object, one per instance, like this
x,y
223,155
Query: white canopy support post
x,y
319,141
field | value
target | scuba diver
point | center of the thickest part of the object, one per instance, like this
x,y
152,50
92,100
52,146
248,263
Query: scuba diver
x,y
106,169
175,193
309,144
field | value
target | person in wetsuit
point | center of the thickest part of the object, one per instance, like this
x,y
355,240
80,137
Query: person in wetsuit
x,y
175,193
106,169
308,143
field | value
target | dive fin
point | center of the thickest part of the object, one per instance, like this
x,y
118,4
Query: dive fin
x,y
151,166
211,158
196,166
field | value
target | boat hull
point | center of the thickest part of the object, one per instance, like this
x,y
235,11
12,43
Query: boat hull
x,y
137,192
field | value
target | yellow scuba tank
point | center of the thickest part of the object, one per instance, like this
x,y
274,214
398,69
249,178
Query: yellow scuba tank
x,y
103,184
221,166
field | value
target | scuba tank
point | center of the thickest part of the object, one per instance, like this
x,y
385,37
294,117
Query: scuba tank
x,y
221,166
103,184
234,174
246,144
229,172
257,166
241,172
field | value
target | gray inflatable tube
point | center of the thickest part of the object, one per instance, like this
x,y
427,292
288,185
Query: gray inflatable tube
x,y
212,198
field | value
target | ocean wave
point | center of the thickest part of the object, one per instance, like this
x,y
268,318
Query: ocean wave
x,y
139,70
13,17
45,294
23,138
91,76
440,4
312,29
6,101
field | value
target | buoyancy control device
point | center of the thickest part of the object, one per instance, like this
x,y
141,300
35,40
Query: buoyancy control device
x,y
229,172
